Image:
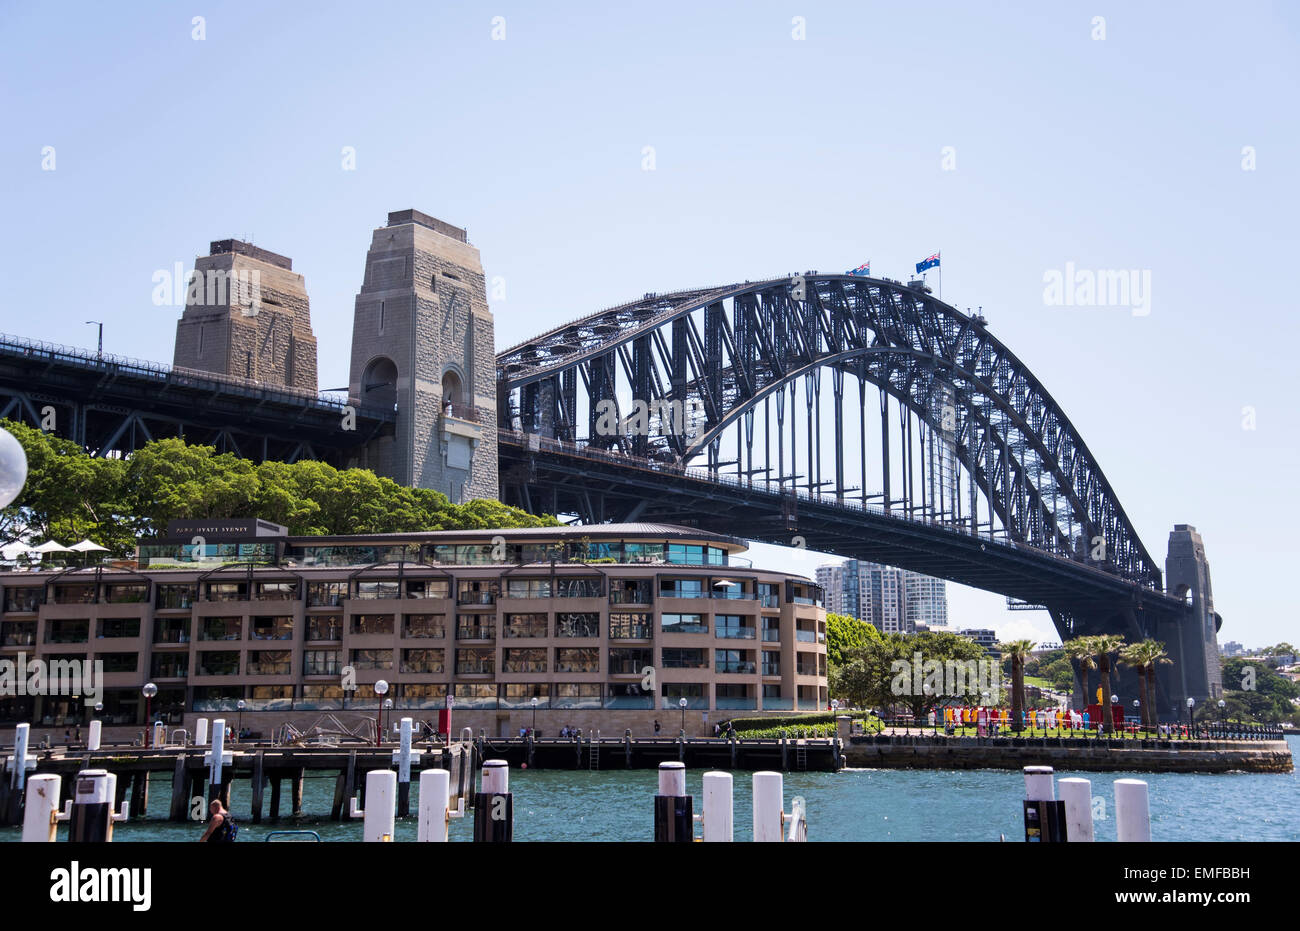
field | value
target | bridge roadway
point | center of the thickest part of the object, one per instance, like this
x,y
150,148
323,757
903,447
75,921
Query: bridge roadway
x,y
617,487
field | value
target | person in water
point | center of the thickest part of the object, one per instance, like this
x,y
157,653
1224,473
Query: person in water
x,y
221,826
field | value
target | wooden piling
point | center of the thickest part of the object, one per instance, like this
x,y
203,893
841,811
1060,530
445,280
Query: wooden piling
x,y
297,790
259,781
336,809
349,786
179,809
276,781
119,794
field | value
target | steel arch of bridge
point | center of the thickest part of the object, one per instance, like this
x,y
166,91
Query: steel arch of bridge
x,y
963,398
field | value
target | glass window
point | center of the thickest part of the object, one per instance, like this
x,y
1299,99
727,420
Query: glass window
x,y
733,661
112,627
577,659
218,663
474,695
769,594
24,600
381,589
681,588
422,661
119,662
524,625
320,662
733,627
771,663
67,631
421,695
217,697
577,695
372,624
521,694
127,593
171,597
269,663
475,662
372,659
627,661
578,588
19,633
324,627
171,630
693,692
476,592
227,591
524,660
427,588
277,591
320,698
173,665
426,626
272,628
528,588
627,695
74,594
577,625
685,658
631,591
476,627
221,628
630,627
683,624
326,594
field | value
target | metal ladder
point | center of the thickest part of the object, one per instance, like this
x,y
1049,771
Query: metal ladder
x,y
593,756
801,756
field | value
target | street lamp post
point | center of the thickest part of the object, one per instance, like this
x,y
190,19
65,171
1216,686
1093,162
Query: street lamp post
x,y
1191,716
1222,705
681,703
381,689
388,718
534,704
1137,713
149,691
239,734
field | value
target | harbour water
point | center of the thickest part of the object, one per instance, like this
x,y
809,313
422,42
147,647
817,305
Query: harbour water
x,y
851,805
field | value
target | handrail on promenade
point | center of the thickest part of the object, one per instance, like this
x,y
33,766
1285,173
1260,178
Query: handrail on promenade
x,y
1129,730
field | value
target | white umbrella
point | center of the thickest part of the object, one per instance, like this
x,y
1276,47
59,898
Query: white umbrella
x,y
51,546
88,546
14,550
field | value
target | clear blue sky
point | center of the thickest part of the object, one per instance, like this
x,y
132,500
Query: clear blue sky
x,y
771,154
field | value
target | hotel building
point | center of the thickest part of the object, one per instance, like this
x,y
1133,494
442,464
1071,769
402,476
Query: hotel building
x,y
604,626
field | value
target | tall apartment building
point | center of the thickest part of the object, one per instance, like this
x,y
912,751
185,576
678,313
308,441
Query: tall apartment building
x,y
893,600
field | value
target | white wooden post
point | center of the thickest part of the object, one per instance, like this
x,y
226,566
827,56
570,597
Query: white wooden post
x,y
1077,795
1132,811
719,813
769,802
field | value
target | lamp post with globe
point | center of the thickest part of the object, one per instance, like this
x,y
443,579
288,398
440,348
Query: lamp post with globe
x,y
534,704
681,703
239,706
1191,715
381,689
149,691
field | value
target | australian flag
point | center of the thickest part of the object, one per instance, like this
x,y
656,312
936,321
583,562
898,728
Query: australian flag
x,y
931,262
862,271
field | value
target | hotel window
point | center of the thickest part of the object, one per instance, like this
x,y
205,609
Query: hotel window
x,y
277,591
272,628
326,594
114,627
685,658
227,591
574,695
475,662
119,662
324,627
19,633
771,630
372,659
624,661
577,659
474,695
521,694
217,697
363,624
769,594
24,600
683,624
630,627
681,588
693,692
175,596
523,625
771,663
74,594
422,661
320,698
174,665
424,626
733,627
577,625
270,698
132,593
476,592
381,589
320,662
733,661
528,588
67,631
269,663
476,627
628,695
421,695
529,660
631,591
427,588
221,628
578,588
219,663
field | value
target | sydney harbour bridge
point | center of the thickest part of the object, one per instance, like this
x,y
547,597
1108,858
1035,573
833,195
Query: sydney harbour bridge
x,y
856,416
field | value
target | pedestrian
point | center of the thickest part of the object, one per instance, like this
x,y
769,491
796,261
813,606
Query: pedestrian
x,y
656,727
221,826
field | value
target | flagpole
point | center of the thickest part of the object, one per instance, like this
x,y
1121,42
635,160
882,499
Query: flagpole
x,y
940,255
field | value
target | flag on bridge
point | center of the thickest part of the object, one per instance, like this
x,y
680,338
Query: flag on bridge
x,y
862,271
931,262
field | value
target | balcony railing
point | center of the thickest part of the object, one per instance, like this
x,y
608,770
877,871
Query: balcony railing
x,y
736,666
805,636
771,635
736,633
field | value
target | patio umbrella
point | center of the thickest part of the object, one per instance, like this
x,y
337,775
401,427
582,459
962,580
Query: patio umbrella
x,y
14,550
88,546
51,546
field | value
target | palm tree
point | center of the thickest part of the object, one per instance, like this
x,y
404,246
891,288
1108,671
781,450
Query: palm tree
x,y
1080,650
1103,646
1019,651
1144,656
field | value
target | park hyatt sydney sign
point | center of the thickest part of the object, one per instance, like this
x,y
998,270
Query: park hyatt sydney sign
x,y
223,529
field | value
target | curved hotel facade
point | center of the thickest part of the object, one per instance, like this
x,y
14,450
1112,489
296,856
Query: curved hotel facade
x,y
605,626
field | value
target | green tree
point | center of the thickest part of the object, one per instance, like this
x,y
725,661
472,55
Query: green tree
x,y
1144,656
1103,646
1081,652
844,635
